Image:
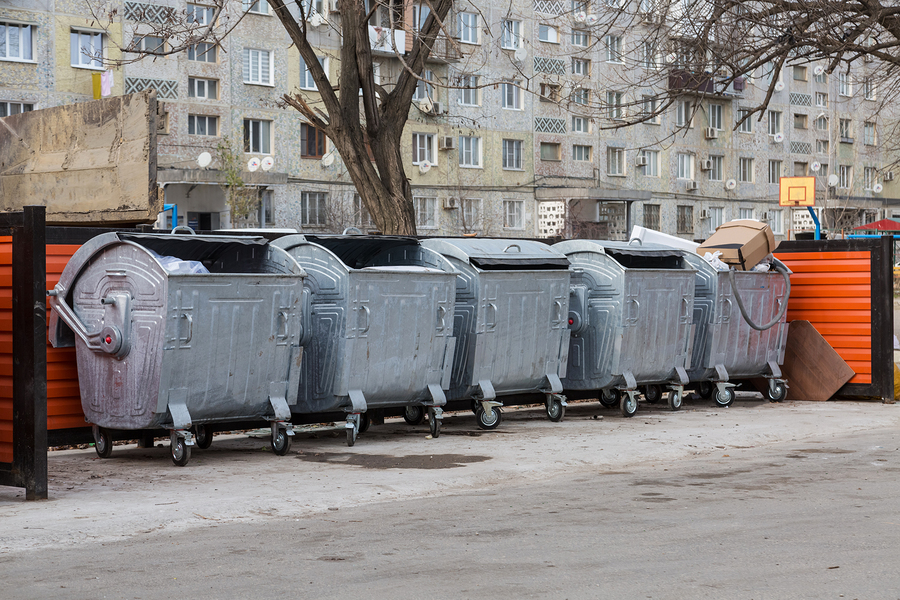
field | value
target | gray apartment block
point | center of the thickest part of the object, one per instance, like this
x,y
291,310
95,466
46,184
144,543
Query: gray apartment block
x,y
516,137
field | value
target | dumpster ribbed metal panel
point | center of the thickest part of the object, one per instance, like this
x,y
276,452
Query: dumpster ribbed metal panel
x,y
379,322
196,348
512,299
725,346
632,309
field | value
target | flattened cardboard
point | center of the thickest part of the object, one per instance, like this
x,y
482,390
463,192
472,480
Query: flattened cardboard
x,y
743,243
813,369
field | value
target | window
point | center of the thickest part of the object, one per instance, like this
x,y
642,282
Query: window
x,y
683,114
512,155
361,216
257,136
581,67
845,176
800,121
581,96
423,148
511,34
17,42
312,141
745,170
426,211
651,216
774,122
470,214
651,169
468,28
512,95
869,174
869,133
14,108
615,161
799,73
614,105
469,151
548,33
685,219
649,110
581,153
87,48
258,67
822,146
313,211
844,127
869,89
549,92
203,125
312,7
746,125
716,217
259,7
306,77
650,55
512,214
823,170
613,48
715,116
147,43
822,77
423,88
776,221
468,95
550,151
716,171
204,89
203,52
685,165
581,38
821,123
821,99
774,171
745,213
845,86
199,14
801,169
581,125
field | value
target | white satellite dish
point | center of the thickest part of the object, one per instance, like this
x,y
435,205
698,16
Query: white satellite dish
x,y
424,167
204,159
426,105
267,163
778,138
819,70
328,160
520,54
832,180
815,166
591,19
730,184
580,16
317,20
779,86
253,164
877,188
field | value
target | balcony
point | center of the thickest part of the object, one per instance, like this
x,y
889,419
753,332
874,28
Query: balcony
x,y
387,41
705,84
444,51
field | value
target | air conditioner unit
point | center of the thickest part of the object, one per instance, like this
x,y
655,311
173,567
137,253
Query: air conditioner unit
x,y
447,142
451,202
706,164
888,176
641,161
712,133
692,186
437,108
650,18
868,58
334,6
704,214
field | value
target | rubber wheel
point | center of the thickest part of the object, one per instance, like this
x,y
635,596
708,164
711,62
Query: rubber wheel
x,y
705,390
652,394
628,405
779,393
725,398
351,436
435,425
488,420
103,443
610,397
555,411
181,452
364,422
676,399
202,436
414,415
475,405
281,443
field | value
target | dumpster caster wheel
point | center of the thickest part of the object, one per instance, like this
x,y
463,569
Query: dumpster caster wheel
x,y
352,427
102,442
610,397
281,443
725,397
364,422
414,415
652,394
475,405
181,452
705,390
676,399
555,410
777,392
434,424
628,404
488,420
202,436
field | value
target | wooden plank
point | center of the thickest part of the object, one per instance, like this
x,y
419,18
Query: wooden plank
x,y
812,367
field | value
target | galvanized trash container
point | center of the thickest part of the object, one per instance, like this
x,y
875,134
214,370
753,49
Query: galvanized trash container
x,y
379,328
512,299
725,345
631,319
211,339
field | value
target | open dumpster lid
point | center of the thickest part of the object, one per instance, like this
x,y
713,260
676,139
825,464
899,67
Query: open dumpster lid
x,y
629,255
500,253
355,251
191,247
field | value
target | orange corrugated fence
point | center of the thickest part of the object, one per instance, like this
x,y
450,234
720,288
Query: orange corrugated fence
x,y
6,358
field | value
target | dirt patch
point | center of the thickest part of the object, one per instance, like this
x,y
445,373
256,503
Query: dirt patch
x,y
385,461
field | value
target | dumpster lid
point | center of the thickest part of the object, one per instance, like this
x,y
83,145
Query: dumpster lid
x,y
355,251
650,250
193,247
500,253
629,255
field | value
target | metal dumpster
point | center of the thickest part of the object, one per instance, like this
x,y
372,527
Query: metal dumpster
x,y
725,345
510,322
157,349
378,327
631,320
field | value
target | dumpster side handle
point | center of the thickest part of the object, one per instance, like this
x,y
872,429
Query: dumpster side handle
x,y
110,339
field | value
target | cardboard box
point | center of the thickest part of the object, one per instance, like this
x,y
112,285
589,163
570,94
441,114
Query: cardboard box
x,y
743,243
